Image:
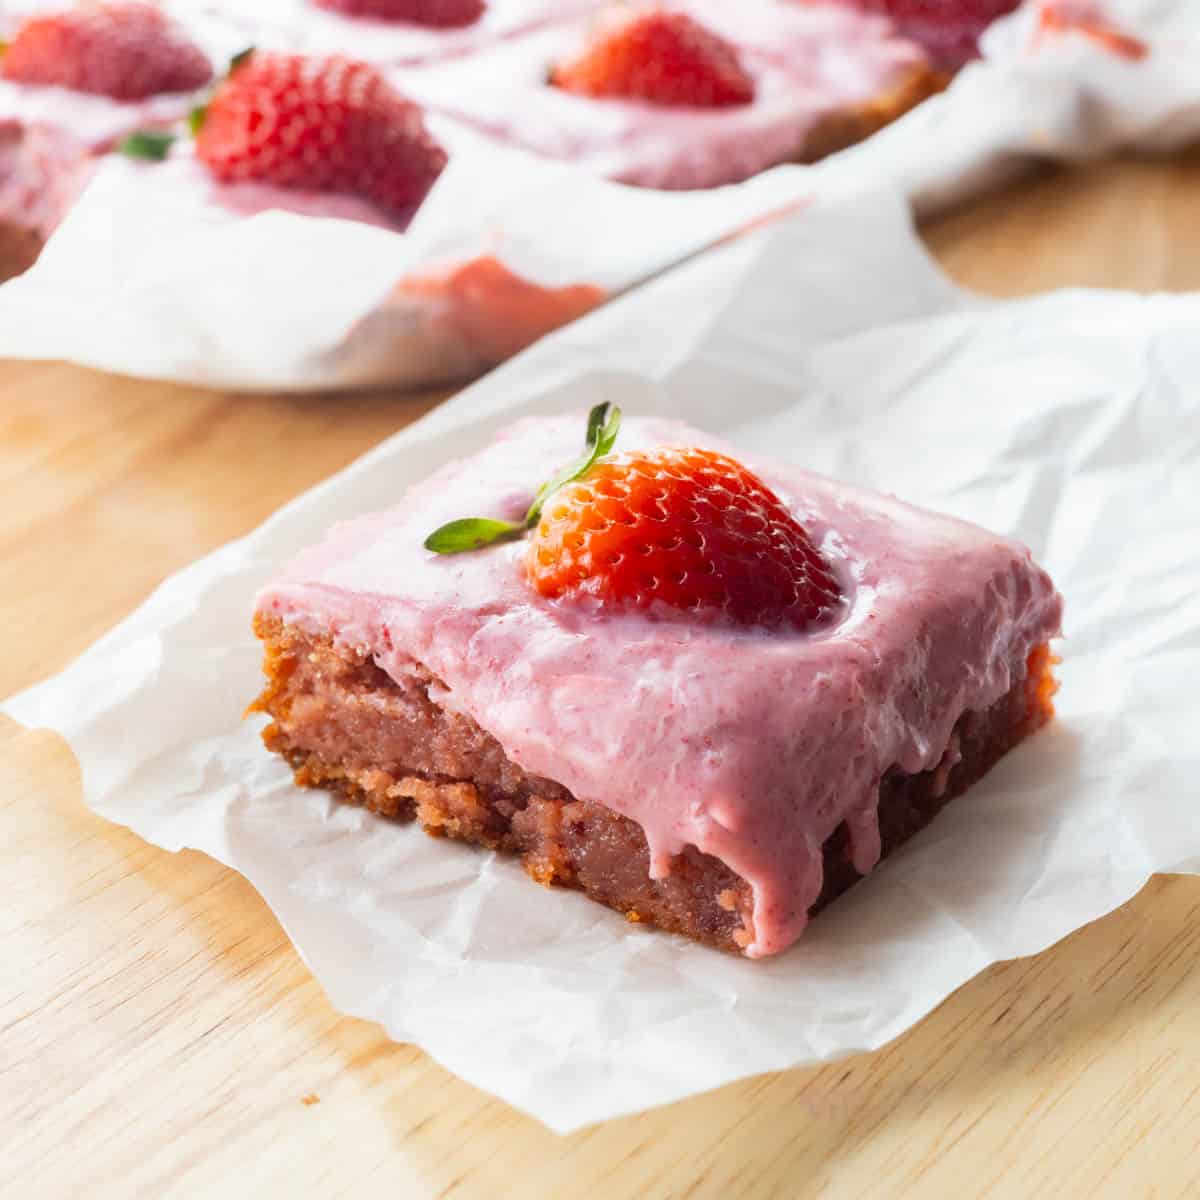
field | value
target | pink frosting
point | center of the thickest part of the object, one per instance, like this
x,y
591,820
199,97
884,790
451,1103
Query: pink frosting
x,y
301,26
751,745
42,171
806,63
96,122
49,140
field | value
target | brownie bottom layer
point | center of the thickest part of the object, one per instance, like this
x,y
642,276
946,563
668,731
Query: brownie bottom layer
x,y
19,249
344,724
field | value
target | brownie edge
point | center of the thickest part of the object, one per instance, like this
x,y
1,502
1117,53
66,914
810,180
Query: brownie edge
x,y
343,724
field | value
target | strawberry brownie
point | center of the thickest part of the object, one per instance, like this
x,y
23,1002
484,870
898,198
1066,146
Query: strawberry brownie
x,y
711,694
688,95
74,84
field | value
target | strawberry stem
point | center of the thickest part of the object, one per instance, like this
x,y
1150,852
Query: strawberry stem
x,y
473,533
199,114
604,422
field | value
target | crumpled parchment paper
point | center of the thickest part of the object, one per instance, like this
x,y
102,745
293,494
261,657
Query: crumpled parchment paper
x,y
1071,421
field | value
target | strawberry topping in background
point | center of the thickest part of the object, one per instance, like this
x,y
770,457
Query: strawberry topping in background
x,y
319,124
126,50
436,13
948,29
658,56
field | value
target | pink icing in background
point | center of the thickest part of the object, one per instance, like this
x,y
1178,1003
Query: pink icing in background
x,y
301,26
49,140
751,745
807,62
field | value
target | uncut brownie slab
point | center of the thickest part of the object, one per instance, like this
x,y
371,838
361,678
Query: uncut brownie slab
x,y
720,781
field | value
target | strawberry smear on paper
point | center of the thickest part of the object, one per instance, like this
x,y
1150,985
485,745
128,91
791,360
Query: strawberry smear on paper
x,y
1087,17
498,312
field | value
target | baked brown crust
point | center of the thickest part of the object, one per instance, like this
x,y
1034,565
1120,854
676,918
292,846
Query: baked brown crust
x,y
19,249
345,725
848,126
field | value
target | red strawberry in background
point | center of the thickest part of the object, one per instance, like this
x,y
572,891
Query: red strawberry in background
x,y
437,13
658,56
689,530
319,124
126,50
948,29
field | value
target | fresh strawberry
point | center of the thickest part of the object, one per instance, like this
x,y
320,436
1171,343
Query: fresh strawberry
x,y
319,124
126,50
948,29
658,56
675,531
438,13
689,530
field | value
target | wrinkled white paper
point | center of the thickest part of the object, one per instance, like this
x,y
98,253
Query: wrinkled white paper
x,y
1070,420
157,273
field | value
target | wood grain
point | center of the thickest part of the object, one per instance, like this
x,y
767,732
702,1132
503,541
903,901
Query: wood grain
x,y
159,1036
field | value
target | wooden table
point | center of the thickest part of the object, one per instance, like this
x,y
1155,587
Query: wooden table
x,y
159,1036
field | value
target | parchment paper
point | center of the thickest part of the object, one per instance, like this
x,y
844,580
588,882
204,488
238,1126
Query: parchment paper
x,y
1070,420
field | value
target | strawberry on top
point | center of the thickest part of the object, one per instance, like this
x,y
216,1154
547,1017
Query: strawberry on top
x,y
319,124
126,50
684,528
674,532
659,56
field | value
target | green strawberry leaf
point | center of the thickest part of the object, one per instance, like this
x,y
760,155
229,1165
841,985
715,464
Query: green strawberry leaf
x,y
199,114
150,145
473,533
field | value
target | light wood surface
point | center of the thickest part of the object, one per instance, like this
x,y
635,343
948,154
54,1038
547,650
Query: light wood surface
x,y
160,1037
